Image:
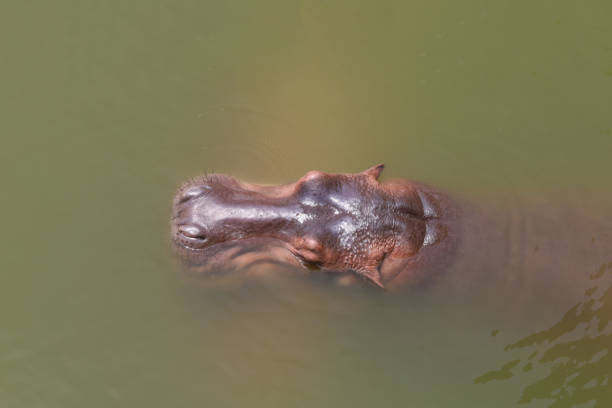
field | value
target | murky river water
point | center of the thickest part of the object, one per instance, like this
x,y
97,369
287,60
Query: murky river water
x,y
106,108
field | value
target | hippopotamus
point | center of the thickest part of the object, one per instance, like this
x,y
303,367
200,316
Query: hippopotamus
x,y
393,234
346,225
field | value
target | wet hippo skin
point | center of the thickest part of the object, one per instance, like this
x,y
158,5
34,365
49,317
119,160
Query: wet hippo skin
x,y
346,225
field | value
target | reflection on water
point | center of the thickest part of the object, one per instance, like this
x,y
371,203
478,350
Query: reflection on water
x,y
575,350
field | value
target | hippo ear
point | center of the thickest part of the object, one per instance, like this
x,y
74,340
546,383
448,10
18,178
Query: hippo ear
x,y
373,276
374,171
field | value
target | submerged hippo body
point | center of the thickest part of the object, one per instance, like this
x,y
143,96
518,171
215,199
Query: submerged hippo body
x,y
348,225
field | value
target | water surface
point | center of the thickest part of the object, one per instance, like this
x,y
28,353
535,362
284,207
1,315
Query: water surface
x,y
106,108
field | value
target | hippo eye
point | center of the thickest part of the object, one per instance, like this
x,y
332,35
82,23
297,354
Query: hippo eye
x,y
313,175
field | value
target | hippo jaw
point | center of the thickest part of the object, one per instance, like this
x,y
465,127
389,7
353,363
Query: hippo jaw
x,y
335,222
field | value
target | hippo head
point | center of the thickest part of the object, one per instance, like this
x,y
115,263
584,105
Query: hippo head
x,y
334,222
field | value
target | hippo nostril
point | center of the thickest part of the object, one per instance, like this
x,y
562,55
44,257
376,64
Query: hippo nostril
x,y
190,193
191,231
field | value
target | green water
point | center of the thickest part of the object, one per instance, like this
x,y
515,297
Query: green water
x,y
106,107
